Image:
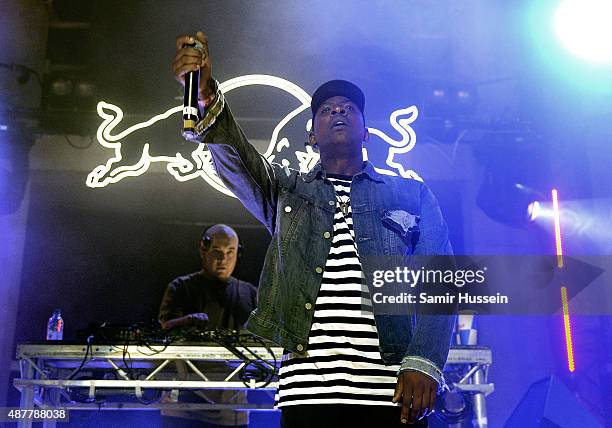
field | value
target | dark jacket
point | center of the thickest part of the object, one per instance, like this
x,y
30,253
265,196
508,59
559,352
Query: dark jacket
x,y
298,209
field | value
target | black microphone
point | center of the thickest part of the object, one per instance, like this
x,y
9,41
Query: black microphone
x,y
190,100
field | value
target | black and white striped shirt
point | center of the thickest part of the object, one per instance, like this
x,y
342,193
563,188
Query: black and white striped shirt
x,y
343,363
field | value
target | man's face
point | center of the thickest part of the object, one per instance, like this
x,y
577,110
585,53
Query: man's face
x,y
219,260
338,127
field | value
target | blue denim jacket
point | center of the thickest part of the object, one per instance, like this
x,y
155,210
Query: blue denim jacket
x,y
298,210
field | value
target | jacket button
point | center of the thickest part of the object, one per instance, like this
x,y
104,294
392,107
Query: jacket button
x,y
326,235
287,209
300,347
332,202
308,306
319,269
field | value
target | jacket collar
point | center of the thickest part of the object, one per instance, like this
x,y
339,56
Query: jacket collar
x,y
368,170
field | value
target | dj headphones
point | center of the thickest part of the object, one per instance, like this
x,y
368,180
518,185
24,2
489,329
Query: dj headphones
x,y
207,240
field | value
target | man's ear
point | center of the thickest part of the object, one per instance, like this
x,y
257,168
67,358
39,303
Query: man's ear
x,y
312,140
366,135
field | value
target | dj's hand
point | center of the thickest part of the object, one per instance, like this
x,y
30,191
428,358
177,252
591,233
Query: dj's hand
x,y
417,392
199,319
190,59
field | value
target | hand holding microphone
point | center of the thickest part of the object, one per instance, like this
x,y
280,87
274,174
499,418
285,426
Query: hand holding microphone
x,y
192,68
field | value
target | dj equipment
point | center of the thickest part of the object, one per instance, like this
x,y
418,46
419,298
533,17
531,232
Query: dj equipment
x,y
107,332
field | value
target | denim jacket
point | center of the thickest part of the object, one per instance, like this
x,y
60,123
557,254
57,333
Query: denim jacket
x,y
298,210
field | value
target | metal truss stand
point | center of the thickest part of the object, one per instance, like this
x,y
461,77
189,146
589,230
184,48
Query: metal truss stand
x,y
49,376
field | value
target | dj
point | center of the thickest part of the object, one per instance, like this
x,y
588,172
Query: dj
x,y
347,366
210,298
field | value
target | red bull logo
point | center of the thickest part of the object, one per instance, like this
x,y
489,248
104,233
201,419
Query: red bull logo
x,y
197,163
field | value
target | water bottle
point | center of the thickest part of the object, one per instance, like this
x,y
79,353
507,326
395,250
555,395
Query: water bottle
x,y
55,326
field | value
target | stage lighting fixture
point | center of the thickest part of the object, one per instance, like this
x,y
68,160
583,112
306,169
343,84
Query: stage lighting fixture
x,y
436,102
583,26
464,96
516,167
465,100
439,94
450,100
585,221
85,89
513,204
61,87
534,210
68,99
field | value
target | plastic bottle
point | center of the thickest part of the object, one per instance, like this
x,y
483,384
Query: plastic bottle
x,y
55,326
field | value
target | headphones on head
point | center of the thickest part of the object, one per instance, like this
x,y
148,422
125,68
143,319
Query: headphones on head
x,y
207,240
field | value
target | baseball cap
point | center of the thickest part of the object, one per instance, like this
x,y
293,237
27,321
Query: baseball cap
x,y
335,88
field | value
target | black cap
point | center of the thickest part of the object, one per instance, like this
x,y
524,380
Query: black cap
x,y
335,88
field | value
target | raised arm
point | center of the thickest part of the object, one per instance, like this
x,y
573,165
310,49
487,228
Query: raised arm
x,y
244,171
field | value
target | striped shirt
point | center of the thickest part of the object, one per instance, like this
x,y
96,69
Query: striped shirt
x,y
343,363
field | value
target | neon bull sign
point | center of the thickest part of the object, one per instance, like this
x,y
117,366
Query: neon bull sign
x,y
198,163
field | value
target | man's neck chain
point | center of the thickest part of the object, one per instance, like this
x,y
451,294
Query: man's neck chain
x,y
344,204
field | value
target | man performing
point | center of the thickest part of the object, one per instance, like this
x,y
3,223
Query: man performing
x,y
346,366
210,298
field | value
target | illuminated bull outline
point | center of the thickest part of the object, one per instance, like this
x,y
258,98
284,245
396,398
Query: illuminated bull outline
x,y
183,169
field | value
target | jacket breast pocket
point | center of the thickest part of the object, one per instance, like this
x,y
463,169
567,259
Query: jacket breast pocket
x,y
400,231
290,216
